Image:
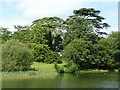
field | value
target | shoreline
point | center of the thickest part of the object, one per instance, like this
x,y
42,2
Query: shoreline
x,y
39,74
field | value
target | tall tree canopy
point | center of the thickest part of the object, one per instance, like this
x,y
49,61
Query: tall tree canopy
x,y
52,27
85,23
78,38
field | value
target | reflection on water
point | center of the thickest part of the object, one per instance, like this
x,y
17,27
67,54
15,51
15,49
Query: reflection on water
x,y
83,80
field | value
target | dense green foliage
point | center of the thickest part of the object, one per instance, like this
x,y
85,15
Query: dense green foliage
x,y
78,41
39,52
71,67
59,69
16,56
4,34
89,56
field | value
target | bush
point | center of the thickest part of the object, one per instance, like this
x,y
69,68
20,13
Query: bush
x,y
16,56
59,69
71,68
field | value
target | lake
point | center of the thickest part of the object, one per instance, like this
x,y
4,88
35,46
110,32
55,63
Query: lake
x,y
83,80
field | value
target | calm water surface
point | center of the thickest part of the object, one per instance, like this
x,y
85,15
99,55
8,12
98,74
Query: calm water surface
x,y
83,80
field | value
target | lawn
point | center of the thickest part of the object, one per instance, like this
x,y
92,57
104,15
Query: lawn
x,y
42,70
43,67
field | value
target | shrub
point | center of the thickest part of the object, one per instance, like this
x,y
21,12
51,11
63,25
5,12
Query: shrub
x,y
71,68
59,69
16,56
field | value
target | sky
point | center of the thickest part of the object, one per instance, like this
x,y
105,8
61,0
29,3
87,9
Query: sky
x,y
23,12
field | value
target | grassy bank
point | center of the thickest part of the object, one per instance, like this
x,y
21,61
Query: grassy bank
x,y
42,71
95,71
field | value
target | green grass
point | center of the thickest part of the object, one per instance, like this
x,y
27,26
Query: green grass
x,y
43,67
42,70
95,71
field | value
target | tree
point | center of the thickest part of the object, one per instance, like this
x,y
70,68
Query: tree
x,y
42,53
16,56
105,61
37,34
5,34
22,33
58,43
92,15
52,57
87,55
51,26
79,28
79,52
114,45
42,35
39,51
85,23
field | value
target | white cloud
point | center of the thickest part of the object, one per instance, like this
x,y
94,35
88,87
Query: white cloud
x,y
10,24
42,8
110,29
33,9
115,28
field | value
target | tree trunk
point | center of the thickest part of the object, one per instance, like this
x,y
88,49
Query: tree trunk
x,y
50,40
